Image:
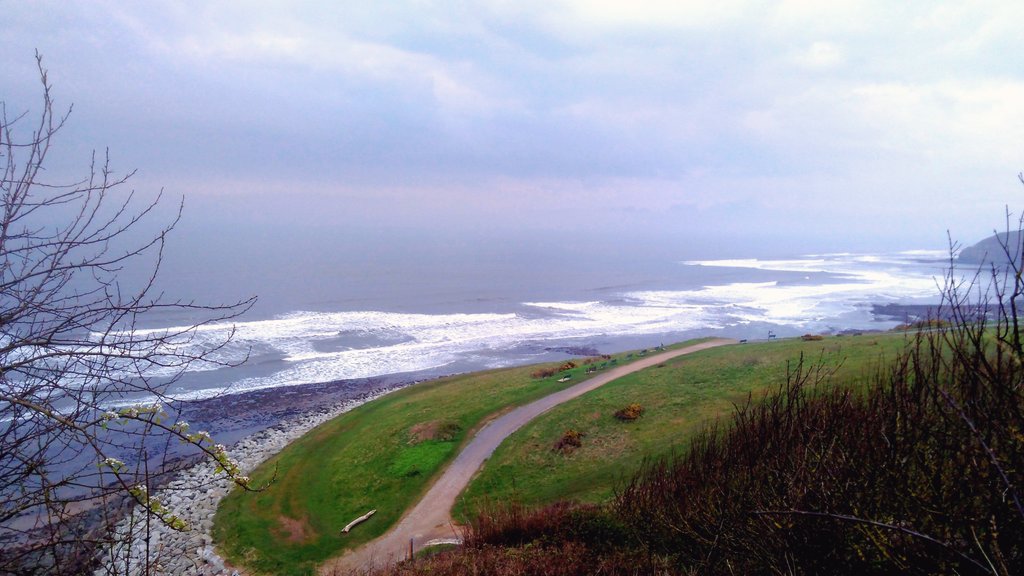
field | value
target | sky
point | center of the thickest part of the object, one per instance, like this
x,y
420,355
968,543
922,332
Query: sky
x,y
731,127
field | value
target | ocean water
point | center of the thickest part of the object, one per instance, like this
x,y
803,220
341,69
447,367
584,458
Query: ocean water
x,y
427,320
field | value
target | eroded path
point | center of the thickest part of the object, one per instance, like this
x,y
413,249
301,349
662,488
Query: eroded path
x,y
430,518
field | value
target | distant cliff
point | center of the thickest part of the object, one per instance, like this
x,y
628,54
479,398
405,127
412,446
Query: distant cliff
x,y
991,249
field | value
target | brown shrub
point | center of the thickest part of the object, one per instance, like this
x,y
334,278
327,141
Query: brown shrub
x,y
567,366
629,413
543,373
812,337
571,439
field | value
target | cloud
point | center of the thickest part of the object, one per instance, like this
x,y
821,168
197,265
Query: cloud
x,y
657,14
521,104
979,122
452,85
821,55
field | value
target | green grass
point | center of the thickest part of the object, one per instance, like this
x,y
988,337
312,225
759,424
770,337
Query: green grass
x,y
369,458
678,398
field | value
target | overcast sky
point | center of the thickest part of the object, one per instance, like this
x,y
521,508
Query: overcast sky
x,y
827,124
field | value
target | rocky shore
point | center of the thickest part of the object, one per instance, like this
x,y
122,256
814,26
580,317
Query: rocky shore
x,y
193,495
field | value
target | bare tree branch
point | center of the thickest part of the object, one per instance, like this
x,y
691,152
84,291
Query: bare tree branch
x,y
83,388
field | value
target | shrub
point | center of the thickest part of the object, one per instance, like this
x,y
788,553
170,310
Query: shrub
x,y
515,525
565,559
567,366
448,431
629,413
812,337
571,439
443,431
916,474
543,373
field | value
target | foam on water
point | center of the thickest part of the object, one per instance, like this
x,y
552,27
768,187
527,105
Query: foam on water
x,y
855,282
818,292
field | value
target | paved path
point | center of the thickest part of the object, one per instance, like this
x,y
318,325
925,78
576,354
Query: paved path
x,y
431,519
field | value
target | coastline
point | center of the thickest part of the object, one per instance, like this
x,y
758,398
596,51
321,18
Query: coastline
x,y
194,492
232,417
255,425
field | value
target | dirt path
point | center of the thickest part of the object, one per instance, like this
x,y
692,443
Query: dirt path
x,y
431,519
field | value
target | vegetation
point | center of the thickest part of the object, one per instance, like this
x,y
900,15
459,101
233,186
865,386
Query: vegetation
x,y
546,372
679,399
380,456
571,440
559,539
631,412
910,475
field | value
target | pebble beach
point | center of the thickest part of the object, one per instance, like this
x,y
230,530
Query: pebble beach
x,y
193,495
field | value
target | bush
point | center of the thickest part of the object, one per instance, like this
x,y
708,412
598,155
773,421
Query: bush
x,y
515,525
561,539
812,337
916,474
630,413
571,439
448,431
543,373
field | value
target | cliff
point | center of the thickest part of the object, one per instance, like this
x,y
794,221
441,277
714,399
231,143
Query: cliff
x,y
990,250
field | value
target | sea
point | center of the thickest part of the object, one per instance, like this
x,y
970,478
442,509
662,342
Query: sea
x,y
413,318
352,319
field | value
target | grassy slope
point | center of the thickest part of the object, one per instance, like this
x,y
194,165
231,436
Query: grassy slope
x,y
360,461
365,460
678,398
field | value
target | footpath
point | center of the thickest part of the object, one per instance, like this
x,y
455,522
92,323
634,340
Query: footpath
x,y
430,519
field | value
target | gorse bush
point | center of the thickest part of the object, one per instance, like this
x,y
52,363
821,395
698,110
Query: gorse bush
x,y
630,412
543,373
570,440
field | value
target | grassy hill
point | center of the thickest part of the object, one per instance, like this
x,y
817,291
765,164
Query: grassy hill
x,y
380,456
678,399
383,455
916,469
